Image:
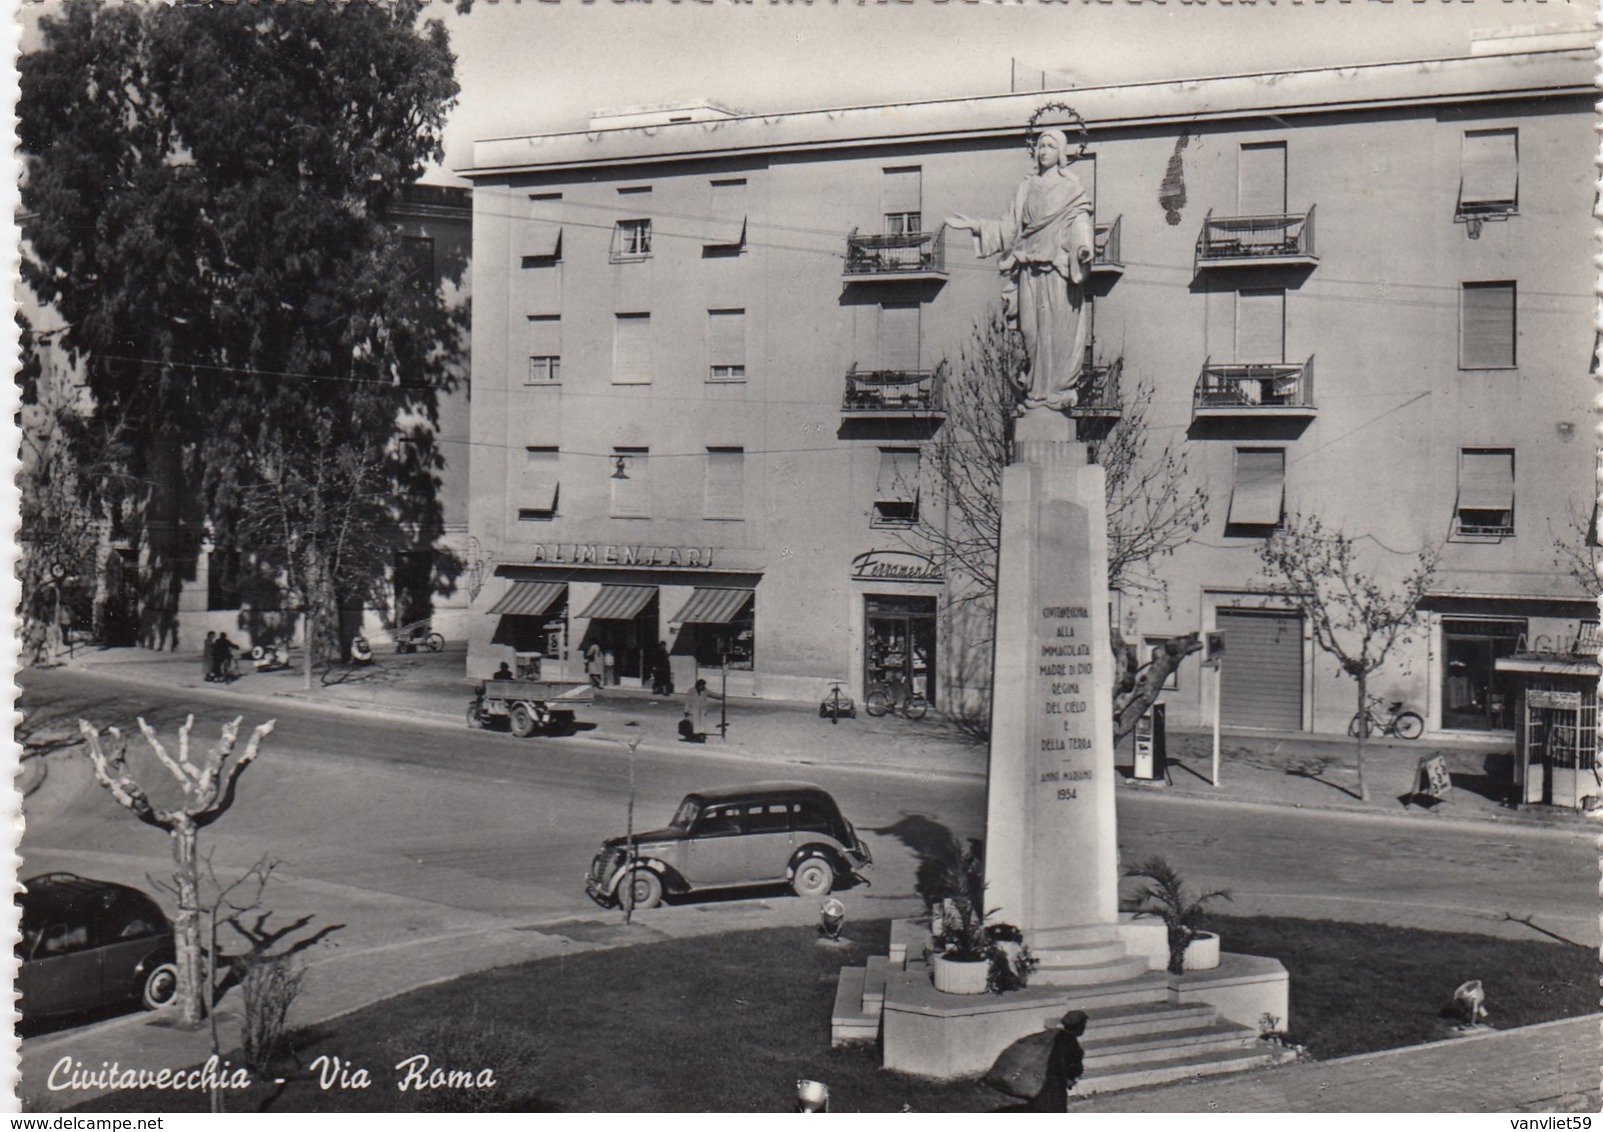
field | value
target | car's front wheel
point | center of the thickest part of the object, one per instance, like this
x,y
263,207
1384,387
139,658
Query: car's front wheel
x,y
813,876
160,987
642,888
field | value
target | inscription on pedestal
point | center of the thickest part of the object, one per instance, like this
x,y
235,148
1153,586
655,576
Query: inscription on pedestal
x,y
1065,676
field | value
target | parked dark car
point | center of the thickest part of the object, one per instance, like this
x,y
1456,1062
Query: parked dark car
x,y
767,833
88,944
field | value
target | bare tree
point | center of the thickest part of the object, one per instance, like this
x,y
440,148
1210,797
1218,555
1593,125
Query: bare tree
x,y
1153,505
207,793
1575,550
1356,617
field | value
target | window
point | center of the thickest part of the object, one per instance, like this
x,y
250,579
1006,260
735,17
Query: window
x,y
1486,326
631,349
896,494
541,238
417,252
899,337
1259,492
726,483
538,486
631,240
901,199
545,349
726,212
1485,492
1489,173
631,487
1261,325
726,345
1261,184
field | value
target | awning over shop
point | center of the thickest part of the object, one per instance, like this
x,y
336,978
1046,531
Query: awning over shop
x,y
709,606
529,599
620,603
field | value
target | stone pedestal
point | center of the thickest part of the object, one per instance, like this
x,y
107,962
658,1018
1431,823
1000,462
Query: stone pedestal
x,y
1051,848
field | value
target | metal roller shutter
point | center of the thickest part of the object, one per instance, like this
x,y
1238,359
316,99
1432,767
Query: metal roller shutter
x,y
1262,682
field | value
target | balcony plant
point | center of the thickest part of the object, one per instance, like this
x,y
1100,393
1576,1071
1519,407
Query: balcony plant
x,y
1164,895
969,956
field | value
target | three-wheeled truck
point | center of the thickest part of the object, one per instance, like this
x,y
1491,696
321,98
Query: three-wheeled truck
x,y
527,706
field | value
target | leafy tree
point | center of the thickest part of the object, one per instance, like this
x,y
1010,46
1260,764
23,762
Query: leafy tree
x,y
1152,505
206,189
1356,617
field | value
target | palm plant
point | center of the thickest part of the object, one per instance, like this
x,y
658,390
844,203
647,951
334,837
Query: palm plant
x,y
1165,895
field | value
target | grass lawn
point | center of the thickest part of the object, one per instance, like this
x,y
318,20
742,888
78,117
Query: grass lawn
x,y
728,1023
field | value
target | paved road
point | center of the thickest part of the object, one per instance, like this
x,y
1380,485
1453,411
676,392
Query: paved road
x,y
409,831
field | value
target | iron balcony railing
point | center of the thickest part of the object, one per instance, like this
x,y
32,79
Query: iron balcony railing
x,y
893,391
1256,386
920,253
1107,244
1098,389
1256,238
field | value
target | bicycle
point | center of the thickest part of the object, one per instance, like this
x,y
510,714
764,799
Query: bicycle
x,y
836,704
896,698
1403,724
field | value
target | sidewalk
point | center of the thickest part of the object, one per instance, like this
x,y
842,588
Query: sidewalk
x,y
1302,771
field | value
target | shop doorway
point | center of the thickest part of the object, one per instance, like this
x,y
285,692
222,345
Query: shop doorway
x,y
899,640
1475,695
627,638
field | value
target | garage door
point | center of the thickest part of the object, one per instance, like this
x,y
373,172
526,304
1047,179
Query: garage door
x,y
1262,684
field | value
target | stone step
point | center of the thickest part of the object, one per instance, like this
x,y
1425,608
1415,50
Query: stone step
x,y
1147,1018
909,938
1051,974
1042,938
848,1022
1081,954
877,971
1140,1049
1180,1068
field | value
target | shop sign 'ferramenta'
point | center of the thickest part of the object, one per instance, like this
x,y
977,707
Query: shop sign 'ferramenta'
x,y
896,566
606,554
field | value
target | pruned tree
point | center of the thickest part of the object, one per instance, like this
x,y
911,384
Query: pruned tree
x,y
206,791
1357,616
1153,505
1575,549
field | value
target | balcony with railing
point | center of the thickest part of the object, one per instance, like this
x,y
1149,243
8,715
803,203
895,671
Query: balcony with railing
x,y
1255,389
880,394
917,256
1257,241
1108,260
1098,389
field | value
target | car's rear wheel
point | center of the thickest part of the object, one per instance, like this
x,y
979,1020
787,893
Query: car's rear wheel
x,y
813,876
522,720
160,987
642,888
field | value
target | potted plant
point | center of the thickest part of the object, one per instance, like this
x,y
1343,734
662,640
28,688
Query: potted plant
x,y
969,956
1164,895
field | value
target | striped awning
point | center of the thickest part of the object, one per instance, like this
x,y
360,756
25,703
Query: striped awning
x,y
620,603
529,599
708,606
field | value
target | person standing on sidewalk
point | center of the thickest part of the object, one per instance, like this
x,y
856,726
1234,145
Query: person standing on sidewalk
x,y
207,653
696,712
609,668
593,665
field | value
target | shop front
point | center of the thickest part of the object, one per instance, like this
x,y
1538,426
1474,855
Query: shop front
x,y
899,633
1554,709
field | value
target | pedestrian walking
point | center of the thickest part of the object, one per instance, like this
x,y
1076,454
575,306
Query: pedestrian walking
x,y
593,665
223,649
206,664
609,668
1043,1067
661,670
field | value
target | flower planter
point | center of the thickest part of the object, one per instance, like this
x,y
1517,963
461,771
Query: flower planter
x,y
960,976
1202,953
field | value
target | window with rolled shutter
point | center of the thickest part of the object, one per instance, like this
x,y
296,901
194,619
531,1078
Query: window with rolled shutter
x,y
545,349
1489,171
726,483
1486,491
726,227
898,336
902,200
1262,180
896,491
631,349
1486,326
538,486
1261,325
1257,498
541,235
726,345
631,490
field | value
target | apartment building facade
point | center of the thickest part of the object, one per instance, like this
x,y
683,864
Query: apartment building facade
x,y
712,351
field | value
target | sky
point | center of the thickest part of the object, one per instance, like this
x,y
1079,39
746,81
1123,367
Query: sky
x,y
542,66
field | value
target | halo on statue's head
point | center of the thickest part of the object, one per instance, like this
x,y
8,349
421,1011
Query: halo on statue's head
x,y
1073,127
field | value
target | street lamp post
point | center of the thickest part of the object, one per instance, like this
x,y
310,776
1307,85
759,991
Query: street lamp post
x,y
723,689
629,830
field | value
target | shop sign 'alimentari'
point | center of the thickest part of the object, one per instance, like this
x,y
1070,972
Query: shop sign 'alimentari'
x,y
607,554
895,566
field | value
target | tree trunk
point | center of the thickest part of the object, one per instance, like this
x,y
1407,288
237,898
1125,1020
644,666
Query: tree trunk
x,y
1363,732
186,925
309,623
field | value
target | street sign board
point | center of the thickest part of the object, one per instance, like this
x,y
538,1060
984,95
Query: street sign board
x,y
1549,698
1431,777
